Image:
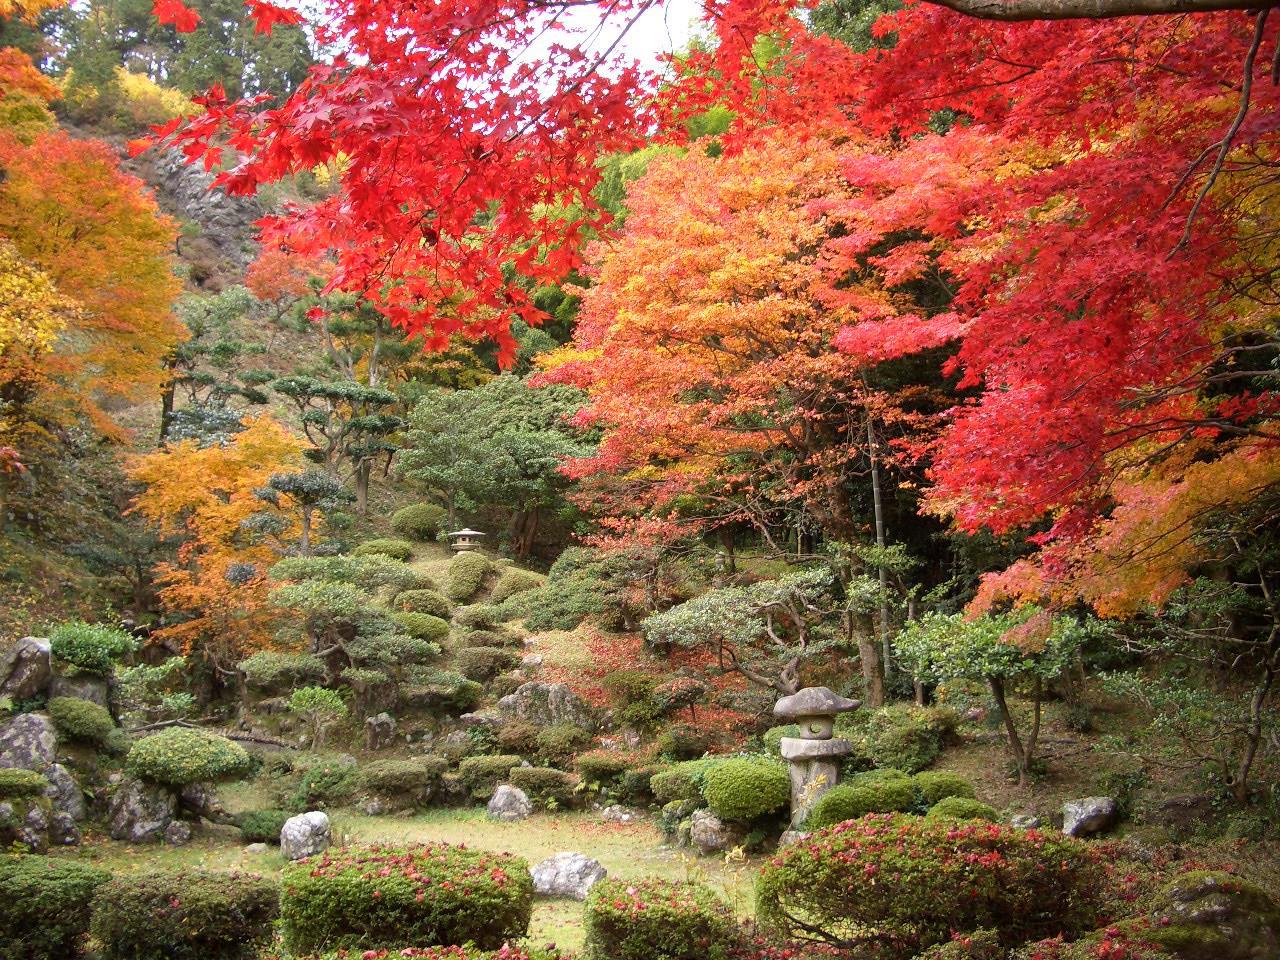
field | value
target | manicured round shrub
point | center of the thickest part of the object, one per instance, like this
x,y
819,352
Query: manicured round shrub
x,y
657,919
191,915
478,616
935,785
386,547
410,782
45,906
962,808
81,720
262,826
517,737
178,756
490,638
481,775
383,896
422,626
560,741
602,767
419,521
512,581
682,781
930,878
15,783
772,737
877,791
684,741
269,670
93,647
467,573
321,784
425,601
484,663
546,786
634,786
744,788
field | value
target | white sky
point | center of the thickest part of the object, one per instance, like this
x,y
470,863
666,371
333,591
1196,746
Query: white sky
x,y
665,28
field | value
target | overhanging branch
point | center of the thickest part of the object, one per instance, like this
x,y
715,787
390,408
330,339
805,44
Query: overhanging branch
x,y
1018,10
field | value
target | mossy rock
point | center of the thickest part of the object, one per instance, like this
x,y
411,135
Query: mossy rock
x,y
1211,915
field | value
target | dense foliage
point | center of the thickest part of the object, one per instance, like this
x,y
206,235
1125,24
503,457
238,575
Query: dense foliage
x,y
45,906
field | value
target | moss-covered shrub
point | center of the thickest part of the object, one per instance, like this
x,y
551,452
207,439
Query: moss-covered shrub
x,y
484,663
745,788
546,786
45,906
935,785
382,896
81,720
262,826
425,601
682,781
602,767
560,741
269,670
481,775
657,920
15,783
684,741
467,573
1030,885
962,808
514,580
410,782
478,616
419,521
386,547
178,756
422,626
192,915
632,693
92,647
878,791
635,786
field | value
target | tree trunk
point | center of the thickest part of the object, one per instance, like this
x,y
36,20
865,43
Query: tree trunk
x,y
1020,756
363,469
1257,704
887,662
872,671
304,542
166,408
524,531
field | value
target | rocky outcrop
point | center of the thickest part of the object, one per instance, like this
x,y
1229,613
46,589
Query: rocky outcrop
x,y
1083,818
710,834
28,741
546,703
509,803
81,686
25,668
567,874
226,223
64,793
140,812
379,731
305,835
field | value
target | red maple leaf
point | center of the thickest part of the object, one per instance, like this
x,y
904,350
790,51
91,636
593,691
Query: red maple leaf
x,y
266,15
183,18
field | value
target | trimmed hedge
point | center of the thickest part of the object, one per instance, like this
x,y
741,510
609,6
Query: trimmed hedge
x,y
514,580
192,915
401,550
877,791
412,781
320,783
425,601
467,573
962,808
385,896
682,781
745,788
545,785
419,521
481,775
484,663
93,647
262,826
15,783
81,719
935,785
479,616
602,767
932,878
422,626
903,737
657,919
178,756
45,906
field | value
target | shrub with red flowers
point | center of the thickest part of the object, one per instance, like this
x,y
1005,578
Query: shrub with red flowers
x,y
440,953
383,897
905,884
658,920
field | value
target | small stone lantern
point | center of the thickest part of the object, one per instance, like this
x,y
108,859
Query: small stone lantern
x,y
815,755
466,539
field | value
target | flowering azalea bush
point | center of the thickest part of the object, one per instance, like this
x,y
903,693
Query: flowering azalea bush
x,y
382,897
906,883
657,920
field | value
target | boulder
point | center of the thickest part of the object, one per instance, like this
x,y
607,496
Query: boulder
x,y
25,668
792,836
64,793
63,830
484,719
34,829
81,686
380,731
617,813
509,803
1090,815
710,834
567,874
140,811
257,849
1206,915
531,661
28,741
201,801
543,704
178,833
305,835
1024,821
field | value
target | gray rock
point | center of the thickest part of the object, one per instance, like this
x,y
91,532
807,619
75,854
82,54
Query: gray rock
x,y
28,741
34,829
257,849
547,703
509,803
140,811
710,834
792,836
617,813
531,661
63,830
201,801
1090,815
178,833
486,719
1215,916
81,686
25,668
380,731
305,835
1024,821
567,874
65,793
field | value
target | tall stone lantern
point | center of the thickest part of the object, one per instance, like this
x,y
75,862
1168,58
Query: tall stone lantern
x,y
815,755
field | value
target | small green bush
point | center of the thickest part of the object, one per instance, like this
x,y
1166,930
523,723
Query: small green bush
x,y
370,897
878,791
904,737
425,601
657,920
962,808
560,741
422,626
545,785
467,573
602,767
481,775
635,786
45,906
410,781
975,945
926,885
512,581
269,670
81,720
745,788
772,738
262,826
442,690
518,737
92,647
682,781
321,783
178,756
401,550
490,638
684,742
484,663
935,785
479,616
419,521
192,915
15,783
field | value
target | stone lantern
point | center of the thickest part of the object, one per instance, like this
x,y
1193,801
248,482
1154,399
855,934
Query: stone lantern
x,y
465,539
815,755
